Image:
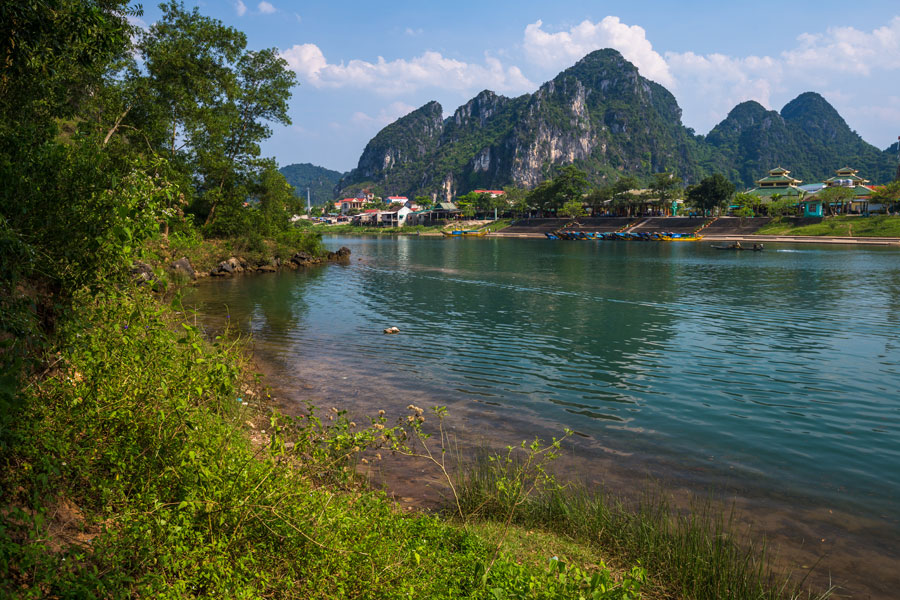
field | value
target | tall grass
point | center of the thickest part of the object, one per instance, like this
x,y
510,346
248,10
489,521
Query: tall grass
x,y
693,554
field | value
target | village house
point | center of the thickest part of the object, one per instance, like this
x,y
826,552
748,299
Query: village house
x,y
844,177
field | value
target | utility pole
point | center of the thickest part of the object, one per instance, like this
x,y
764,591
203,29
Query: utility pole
x,y
308,205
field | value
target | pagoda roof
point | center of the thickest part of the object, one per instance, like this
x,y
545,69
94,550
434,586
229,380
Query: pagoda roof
x,y
851,176
766,192
779,171
787,181
860,191
847,170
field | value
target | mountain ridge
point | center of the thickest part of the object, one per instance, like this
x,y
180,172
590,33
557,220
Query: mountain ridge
x,y
603,116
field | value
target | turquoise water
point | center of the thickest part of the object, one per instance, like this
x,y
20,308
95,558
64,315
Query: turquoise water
x,y
773,374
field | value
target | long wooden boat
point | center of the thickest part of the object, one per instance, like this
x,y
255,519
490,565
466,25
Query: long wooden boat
x,y
465,233
681,238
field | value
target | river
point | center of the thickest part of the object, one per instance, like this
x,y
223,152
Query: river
x,y
769,378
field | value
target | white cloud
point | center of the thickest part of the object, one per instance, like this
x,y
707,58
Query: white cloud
x,y
848,50
265,8
414,32
240,8
430,70
562,49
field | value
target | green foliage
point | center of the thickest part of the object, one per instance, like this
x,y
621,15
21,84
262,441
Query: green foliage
x,y
711,194
139,434
207,106
572,208
833,198
888,195
569,186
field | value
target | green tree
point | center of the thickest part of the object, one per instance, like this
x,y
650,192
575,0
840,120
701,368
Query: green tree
x,y
517,199
835,195
209,103
622,196
572,208
711,193
467,204
666,187
423,201
570,184
598,198
887,195
541,196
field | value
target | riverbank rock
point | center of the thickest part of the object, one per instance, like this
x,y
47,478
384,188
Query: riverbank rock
x,y
142,272
266,269
237,264
223,267
342,254
392,330
183,267
301,258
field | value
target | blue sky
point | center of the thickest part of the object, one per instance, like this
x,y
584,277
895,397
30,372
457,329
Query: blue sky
x,y
361,65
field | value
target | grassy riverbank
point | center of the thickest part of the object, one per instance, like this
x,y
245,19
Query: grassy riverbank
x,y
143,461
838,226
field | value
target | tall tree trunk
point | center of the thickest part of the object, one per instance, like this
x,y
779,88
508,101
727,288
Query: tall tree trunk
x,y
115,126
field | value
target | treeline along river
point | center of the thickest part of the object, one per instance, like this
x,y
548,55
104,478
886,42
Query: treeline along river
x,y
770,378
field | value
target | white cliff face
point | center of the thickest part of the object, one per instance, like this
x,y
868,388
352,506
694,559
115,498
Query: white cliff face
x,y
482,161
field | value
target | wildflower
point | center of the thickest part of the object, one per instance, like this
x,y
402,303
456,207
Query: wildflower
x,y
378,456
352,424
355,449
410,419
380,413
334,410
378,426
364,461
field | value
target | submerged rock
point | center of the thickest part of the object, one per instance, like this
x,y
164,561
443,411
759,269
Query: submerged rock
x,y
392,330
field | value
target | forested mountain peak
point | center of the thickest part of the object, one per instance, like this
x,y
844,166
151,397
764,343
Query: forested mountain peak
x,y
603,116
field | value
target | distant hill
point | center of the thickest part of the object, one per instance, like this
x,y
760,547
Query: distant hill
x,y
608,120
808,137
320,181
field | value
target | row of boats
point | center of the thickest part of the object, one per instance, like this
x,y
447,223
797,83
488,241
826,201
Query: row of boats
x,y
656,236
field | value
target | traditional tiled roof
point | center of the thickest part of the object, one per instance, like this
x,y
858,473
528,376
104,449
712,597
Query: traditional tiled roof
x,y
767,192
859,191
777,176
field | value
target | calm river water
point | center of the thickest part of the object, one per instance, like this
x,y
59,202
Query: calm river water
x,y
771,378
